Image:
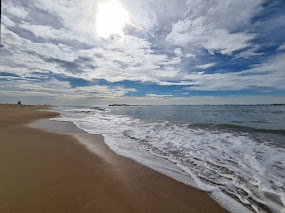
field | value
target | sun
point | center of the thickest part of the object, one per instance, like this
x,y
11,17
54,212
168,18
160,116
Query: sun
x,y
111,18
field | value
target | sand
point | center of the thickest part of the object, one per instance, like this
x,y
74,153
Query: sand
x,y
42,171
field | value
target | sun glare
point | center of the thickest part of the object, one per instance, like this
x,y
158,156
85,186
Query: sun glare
x,y
111,18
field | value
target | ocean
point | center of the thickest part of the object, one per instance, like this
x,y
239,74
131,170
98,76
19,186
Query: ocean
x,y
235,153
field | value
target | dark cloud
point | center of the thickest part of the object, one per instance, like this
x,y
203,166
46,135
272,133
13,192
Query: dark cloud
x,y
121,64
26,34
41,17
66,64
76,66
86,62
8,74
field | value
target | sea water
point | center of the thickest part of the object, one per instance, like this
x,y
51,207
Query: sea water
x,y
235,153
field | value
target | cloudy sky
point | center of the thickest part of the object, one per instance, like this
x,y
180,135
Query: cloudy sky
x,y
142,51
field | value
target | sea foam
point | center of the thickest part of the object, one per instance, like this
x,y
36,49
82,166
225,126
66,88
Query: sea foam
x,y
229,165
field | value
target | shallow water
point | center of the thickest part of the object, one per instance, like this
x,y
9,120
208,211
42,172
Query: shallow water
x,y
229,151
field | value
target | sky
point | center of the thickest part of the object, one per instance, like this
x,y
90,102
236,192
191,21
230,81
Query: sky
x,y
142,52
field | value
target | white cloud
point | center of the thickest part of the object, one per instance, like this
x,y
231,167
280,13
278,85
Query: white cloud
x,y
249,52
269,74
103,91
78,16
205,66
197,33
56,88
225,13
148,52
177,83
50,33
190,55
178,52
6,21
123,58
281,47
13,10
143,17
223,41
55,84
211,25
134,60
158,96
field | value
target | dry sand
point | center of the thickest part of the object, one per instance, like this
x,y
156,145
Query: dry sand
x,y
47,172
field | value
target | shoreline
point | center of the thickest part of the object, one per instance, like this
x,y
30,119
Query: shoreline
x,y
62,175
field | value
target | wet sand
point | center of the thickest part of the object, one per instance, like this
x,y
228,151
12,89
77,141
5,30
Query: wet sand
x,y
42,171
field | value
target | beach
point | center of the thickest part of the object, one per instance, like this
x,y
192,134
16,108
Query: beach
x,y
50,172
